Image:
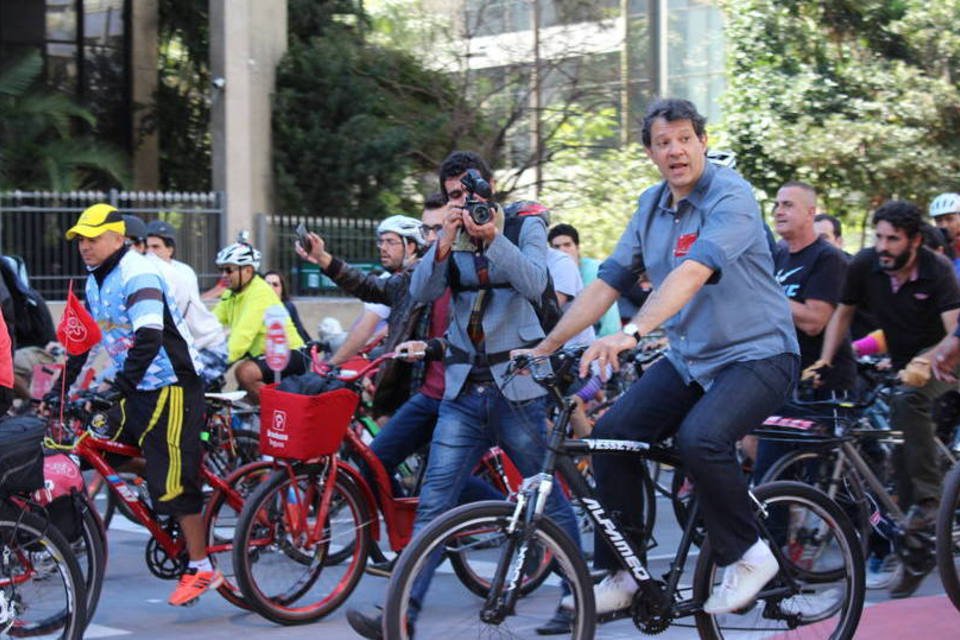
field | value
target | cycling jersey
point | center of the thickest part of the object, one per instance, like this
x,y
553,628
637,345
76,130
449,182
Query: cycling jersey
x,y
243,312
129,296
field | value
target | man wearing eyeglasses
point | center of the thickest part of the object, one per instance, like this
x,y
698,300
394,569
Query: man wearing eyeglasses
x,y
401,240
242,309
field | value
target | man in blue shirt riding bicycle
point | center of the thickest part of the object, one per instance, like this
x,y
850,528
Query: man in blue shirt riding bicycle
x,y
733,359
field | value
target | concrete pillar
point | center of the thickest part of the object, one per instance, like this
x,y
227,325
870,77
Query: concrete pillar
x,y
143,85
247,40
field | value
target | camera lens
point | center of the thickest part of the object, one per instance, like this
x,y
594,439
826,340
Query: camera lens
x,y
480,212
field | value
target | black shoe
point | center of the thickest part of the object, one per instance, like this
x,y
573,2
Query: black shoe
x,y
922,517
382,569
369,625
561,622
906,582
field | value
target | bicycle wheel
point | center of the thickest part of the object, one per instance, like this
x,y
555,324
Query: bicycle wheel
x,y
819,590
220,523
89,546
41,586
844,486
472,567
451,611
948,536
282,543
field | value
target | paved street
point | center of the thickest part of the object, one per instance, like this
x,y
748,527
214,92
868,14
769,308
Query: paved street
x,y
134,605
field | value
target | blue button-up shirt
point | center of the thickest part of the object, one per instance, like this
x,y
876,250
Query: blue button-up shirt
x,y
741,313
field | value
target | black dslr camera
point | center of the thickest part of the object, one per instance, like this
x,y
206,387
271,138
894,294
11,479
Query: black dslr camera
x,y
473,182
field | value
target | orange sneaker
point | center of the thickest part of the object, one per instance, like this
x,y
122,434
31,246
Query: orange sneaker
x,y
194,584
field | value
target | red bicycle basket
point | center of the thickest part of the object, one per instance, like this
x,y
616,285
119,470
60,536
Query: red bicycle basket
x,y
298,427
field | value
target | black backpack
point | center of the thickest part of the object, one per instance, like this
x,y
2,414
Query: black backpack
x,y
32,322
548,310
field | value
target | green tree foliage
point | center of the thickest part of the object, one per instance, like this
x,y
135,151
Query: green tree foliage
x,y
595,187
354,122
39,144
181,112
857,97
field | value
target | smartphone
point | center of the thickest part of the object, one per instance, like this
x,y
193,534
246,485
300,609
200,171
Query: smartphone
x,y
303,238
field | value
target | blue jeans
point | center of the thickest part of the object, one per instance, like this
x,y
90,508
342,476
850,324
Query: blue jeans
x,y
409,430
706,427
477,419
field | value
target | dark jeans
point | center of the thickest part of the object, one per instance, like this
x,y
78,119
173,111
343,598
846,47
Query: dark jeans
x,y
706,427
409,430
479,418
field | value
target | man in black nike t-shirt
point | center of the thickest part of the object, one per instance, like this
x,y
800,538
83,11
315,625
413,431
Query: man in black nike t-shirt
x,y
811,272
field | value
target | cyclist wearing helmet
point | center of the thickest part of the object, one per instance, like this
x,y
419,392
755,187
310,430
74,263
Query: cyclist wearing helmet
x,y
400,242
945,211
208,335
242,309
161,398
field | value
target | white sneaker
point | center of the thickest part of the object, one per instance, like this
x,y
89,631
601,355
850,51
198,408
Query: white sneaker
x,y
812,606
881,575
614,593
743,580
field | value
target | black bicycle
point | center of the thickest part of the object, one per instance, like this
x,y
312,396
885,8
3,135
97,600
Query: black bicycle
x,y
818,591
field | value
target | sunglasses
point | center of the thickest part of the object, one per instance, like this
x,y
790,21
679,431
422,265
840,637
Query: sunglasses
x,y
228,270
427,228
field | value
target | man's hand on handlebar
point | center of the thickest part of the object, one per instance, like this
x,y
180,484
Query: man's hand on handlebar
x,y
606,351
816,374
411,350
945,358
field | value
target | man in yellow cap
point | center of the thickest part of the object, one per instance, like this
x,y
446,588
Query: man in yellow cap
x,y
159,391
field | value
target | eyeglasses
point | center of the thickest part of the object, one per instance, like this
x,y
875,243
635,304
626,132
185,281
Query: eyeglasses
x,y
228,270
388,242
430,228
456,194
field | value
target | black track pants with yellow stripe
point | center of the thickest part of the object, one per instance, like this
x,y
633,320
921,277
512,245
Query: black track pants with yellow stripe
x,y
166,425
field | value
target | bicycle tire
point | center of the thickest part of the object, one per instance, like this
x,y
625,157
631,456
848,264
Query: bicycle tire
x,y
93,560
281,579
815,469
799,514
31,546
220,520
948,536
456,612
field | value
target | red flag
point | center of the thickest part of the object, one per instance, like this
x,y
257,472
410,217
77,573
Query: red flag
x,y
78,332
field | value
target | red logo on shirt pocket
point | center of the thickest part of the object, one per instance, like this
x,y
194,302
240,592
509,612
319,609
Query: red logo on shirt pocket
x,y
684,243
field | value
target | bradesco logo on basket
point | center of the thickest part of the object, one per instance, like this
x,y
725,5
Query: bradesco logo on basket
x,y
275,432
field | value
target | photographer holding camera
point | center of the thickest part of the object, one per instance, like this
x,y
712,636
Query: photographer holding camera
x,y
495,285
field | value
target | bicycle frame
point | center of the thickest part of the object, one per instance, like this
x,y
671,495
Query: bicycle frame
x,y
93,450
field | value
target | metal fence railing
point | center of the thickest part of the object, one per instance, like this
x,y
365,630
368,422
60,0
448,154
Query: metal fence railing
x,y
351,239
32,224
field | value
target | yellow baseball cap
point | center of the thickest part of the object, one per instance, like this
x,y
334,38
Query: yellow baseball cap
x,y
95,220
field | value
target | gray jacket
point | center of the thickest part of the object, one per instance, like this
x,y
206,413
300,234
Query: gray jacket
x,y
509,321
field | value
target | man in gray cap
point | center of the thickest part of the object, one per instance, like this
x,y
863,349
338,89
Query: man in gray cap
x,y
207,332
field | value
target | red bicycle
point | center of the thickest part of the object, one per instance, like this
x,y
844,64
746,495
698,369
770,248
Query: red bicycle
x,y
304,535
165,553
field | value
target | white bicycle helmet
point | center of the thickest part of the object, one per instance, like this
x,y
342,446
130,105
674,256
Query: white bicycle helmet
x,y
240,253
403,226
945,203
